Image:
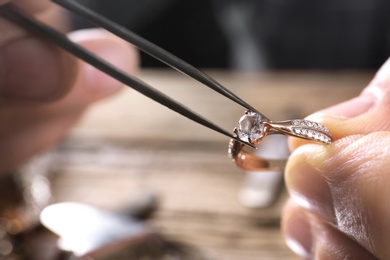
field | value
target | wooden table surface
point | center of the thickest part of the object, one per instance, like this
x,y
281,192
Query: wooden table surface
x,y
128,144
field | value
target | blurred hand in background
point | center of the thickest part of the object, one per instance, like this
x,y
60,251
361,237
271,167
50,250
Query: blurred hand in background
x,y
43,90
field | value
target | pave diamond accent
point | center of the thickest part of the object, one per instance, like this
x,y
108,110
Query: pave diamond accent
x,y
250,127
310,124
311,130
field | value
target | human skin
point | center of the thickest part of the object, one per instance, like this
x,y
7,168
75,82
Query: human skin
x,y
43,90
339,194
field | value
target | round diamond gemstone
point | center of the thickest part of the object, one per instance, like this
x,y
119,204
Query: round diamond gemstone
x,y
250,127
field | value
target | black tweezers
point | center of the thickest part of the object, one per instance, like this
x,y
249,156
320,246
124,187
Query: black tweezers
x,y
14,14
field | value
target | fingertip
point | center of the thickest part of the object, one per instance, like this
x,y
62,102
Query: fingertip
x,y
360,115
381,79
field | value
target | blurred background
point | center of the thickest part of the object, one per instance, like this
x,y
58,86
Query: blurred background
x,y
166,182
259,34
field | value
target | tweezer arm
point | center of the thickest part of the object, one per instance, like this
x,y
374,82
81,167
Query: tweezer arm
x,y
15,15
153,50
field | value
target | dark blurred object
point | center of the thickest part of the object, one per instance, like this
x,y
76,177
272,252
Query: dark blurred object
x,y
188,29
156,247
23,194
142,207
81,231
260,34
324,34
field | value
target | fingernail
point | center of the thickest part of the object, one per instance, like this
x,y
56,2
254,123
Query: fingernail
x,y
298,234
306,183
109,49
351,108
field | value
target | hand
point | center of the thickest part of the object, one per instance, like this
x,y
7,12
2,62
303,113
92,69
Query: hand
x,y
44,90
339,206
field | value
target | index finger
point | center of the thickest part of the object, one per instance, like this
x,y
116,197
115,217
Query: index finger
x,y
32,69
367,113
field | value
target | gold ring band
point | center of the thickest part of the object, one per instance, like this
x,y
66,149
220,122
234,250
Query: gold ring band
x,y
249,162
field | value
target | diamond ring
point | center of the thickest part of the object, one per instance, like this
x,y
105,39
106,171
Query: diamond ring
x,y
252,128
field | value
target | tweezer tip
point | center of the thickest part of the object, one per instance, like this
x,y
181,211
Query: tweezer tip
x,y
243,142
